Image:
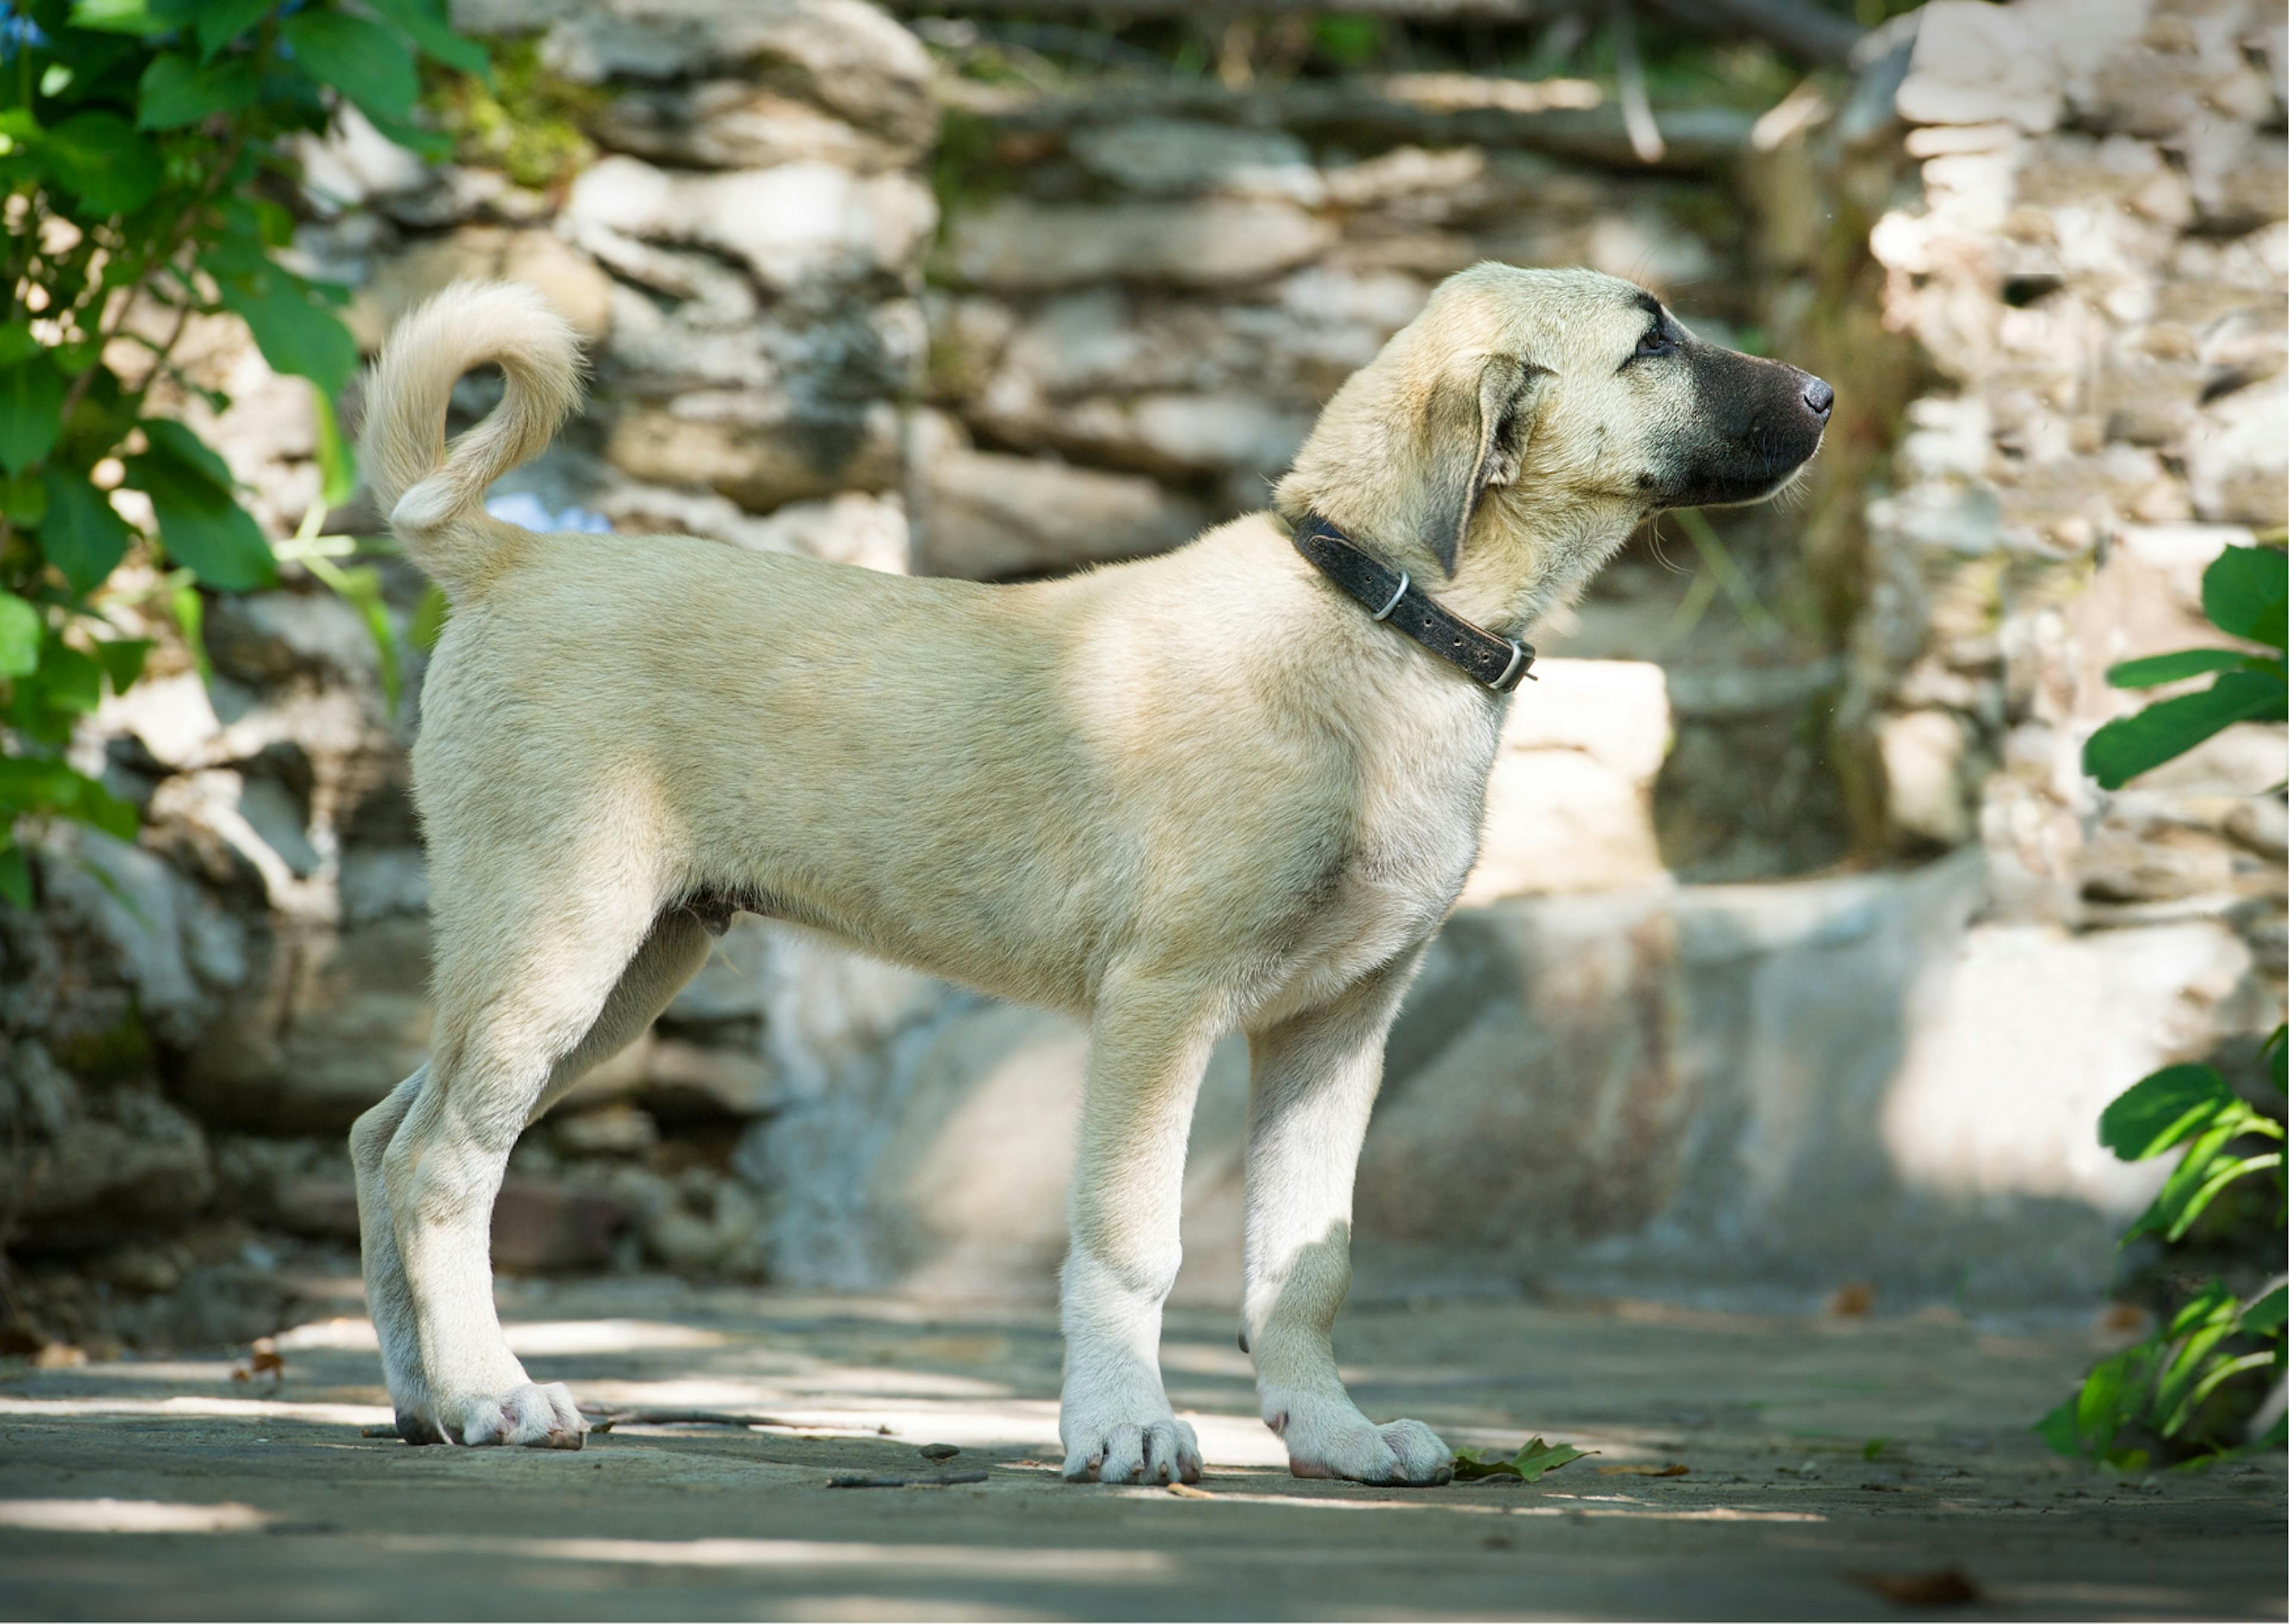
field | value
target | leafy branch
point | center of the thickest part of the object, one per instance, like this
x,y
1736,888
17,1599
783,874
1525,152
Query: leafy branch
x,y
147,165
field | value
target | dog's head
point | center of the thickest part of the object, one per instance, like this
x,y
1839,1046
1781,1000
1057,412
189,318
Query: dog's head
x,y
1536,403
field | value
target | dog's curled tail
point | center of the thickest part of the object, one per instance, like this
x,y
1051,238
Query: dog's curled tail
x,y
433,496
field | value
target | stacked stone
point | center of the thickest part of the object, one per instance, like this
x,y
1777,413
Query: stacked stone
x,y
1137,315
192,1021
2096,267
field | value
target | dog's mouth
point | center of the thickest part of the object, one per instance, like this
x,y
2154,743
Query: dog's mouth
x,y
1758,423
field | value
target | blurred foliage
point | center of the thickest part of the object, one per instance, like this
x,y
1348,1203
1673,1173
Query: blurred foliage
x,y
2187,1393
145,150
521,119
2245,594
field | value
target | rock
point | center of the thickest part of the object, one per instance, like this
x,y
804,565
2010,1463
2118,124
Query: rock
x,y
170,715
793,225
1019,245
1923,760
1570,801
846,56
541,259
989,516
323,1209
1174,435
39,1097
1173,158
384,884
353,162
2236,465
139,1160
542,1227
157,924
730,123
1976,64
684,1080
333,1024
264,638
616,1131
760,464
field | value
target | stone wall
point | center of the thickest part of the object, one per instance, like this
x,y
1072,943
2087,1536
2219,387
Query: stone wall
x,y
850,300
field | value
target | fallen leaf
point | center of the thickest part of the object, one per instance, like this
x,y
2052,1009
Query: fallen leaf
x,y
1852,1299
1940,1587
1643,1469
59,1355
937,1451
1534,1459
1185,1491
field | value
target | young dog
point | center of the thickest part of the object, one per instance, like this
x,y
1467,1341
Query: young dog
x,y
1238,785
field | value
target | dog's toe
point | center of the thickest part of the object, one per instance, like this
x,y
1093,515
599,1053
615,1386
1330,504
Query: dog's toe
x,y
533,1415
1160,1450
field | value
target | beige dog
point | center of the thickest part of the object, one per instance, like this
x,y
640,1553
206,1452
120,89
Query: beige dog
x,y
1204,791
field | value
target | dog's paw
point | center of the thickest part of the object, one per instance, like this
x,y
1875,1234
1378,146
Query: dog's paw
x,y
419,1427
1329,1437
536,1416
1154,1449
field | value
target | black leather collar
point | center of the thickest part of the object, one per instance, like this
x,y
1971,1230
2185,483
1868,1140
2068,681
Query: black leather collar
x,y
1497,664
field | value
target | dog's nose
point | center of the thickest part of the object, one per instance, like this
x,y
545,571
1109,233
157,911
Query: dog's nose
x,y
1819,398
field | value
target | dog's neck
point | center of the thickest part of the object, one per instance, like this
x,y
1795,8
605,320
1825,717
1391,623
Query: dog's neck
x,y
1518,562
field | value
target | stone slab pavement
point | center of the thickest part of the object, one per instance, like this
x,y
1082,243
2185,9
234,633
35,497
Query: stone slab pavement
x,y
1834,1469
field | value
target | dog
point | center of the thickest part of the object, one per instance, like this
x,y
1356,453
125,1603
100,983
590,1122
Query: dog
x,y
1208,791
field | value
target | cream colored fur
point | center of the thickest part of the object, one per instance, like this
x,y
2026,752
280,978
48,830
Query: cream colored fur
x,y
1199,792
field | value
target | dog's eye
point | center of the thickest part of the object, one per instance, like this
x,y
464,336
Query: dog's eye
x,y
1656,341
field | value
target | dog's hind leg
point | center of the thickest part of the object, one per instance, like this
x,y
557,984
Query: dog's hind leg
x,y
676,946
1149,1044
387,1299
523,992
1312,1083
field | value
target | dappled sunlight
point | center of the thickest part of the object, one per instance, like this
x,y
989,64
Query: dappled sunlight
x,y
921,1561
116,1516
1545,1504
186,1406
538,1340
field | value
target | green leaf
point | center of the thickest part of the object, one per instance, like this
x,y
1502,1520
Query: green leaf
x,y
16,342
2245,592
2163,1109
20,629
31,411
23,500
2058,1429
203,527
220,21
99,156
433,34
176,90
82,535
1535,1459
296,335
69,680
178,444
2266,1314
122,659
337,462
118,17
430,618
434,146
15,874
2160,668
362,60
2129,745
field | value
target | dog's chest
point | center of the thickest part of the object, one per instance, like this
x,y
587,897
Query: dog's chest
x,y
1415,835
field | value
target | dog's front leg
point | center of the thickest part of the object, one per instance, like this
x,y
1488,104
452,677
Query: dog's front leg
x,y
1149,1043
1312,1082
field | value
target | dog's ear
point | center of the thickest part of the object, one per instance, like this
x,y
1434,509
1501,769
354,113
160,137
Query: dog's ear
x,y
1476,424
